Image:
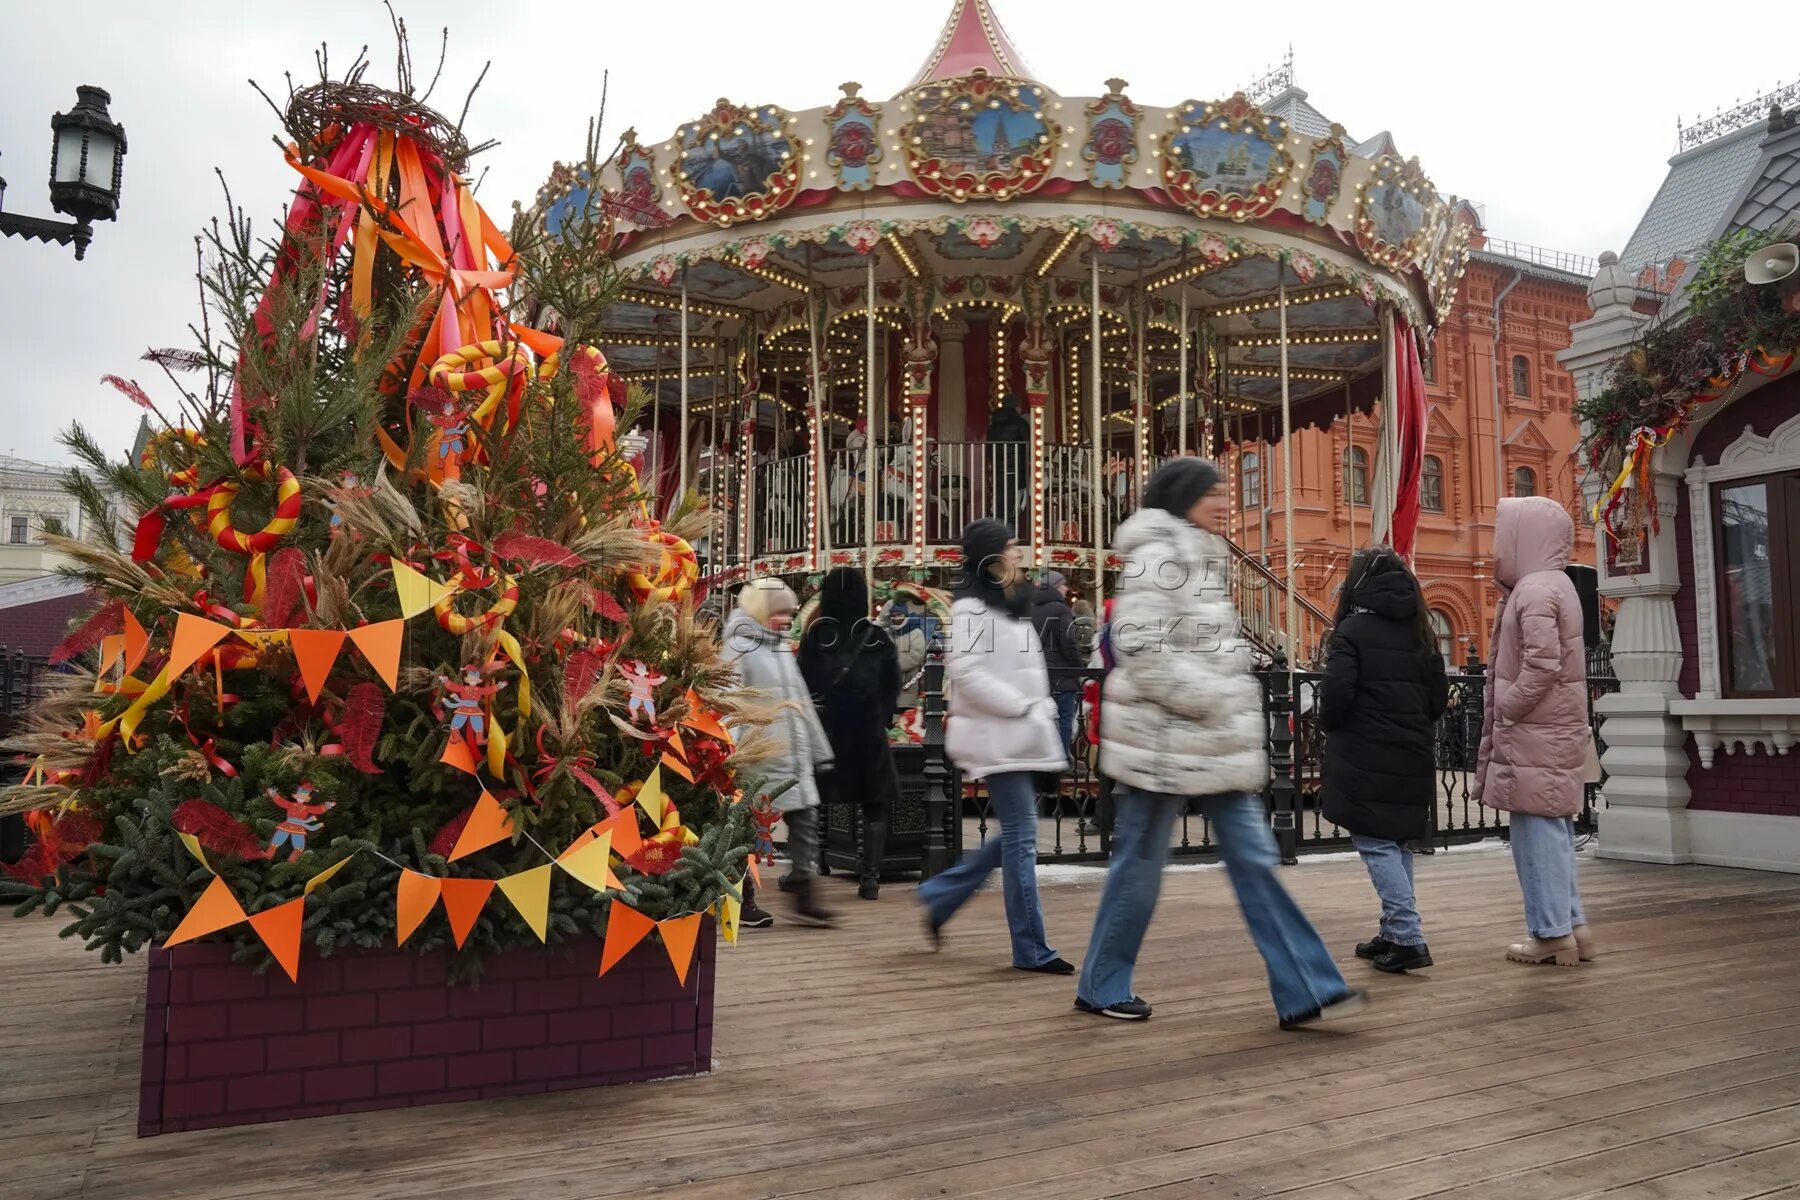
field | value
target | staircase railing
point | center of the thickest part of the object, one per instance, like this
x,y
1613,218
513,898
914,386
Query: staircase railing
x,y
1262,602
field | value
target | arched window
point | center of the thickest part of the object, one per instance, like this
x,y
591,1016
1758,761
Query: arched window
x,y
1356,475
1251,467
1521,376
1431,484
1444,634
1524,482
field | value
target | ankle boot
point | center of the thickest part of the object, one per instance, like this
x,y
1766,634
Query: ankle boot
x,y
1562,951
1400,959
1584,941
874,848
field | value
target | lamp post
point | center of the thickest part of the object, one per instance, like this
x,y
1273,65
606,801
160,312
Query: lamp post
x,y
87,161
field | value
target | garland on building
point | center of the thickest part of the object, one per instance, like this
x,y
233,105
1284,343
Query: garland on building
x,y
1728,328
397,626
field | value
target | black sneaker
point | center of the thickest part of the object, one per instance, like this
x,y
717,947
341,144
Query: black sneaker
x,y
1056,966
1375,947
934,932
789,883
1402,959
1348,1004
1134,1009
753,917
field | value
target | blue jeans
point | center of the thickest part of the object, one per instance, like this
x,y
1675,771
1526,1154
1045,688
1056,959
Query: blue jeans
x,y
1301,974
1015,853
1067,704
1390,868
1543,850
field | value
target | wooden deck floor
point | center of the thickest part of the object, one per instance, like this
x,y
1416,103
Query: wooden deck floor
x,y
856,1064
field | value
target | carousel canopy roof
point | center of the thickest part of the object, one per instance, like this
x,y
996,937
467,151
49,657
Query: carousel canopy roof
x,y
972,41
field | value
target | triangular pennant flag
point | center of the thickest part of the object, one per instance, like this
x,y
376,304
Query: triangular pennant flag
x,y
486,825
589,861
112,650
417,592
216,909
703,719
755,871
414,899
194,848
652,799
679,934
380,644
729,913
137,643
463,900
194,636
279,928
676,765
324,877
457,754
625,928
623,826
529,892
316,651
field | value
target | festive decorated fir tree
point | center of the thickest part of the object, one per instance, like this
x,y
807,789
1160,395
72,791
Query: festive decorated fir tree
x,y
397,624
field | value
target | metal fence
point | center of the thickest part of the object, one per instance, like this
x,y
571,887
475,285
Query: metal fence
x,y
1074,823
21,681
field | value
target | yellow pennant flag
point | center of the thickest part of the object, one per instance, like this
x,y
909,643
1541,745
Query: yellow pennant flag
x,y
194,848
651,797
529,892
324,877
417,592
590,861
729,912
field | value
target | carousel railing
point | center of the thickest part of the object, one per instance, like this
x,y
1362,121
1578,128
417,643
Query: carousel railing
x,y
851,486
720,547
970,481
780,504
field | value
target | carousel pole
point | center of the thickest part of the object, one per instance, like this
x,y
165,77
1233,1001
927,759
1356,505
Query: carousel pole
x,y
1099,428
1181,441
682,463
1285,818
1287,478
1349,457
1141,393
870,482
819,523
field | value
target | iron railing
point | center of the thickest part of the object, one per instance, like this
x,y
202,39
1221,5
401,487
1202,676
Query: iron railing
x,y
21,682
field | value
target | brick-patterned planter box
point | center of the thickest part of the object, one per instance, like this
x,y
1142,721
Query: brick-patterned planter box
x,y
377,1029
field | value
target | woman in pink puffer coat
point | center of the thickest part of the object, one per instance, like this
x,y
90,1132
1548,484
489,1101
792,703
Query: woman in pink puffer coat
x,y
1534,733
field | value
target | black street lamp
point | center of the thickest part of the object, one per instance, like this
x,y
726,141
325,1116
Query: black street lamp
x,y
87,161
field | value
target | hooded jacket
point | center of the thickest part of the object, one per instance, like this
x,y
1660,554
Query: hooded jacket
x,y
765,662
1055,622
1182,713
1379,705
853,673
1534,723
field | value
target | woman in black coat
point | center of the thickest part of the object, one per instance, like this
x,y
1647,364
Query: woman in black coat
x,y
853,671
1383,693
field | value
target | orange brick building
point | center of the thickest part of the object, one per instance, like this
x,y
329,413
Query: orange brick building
x,y
1540,294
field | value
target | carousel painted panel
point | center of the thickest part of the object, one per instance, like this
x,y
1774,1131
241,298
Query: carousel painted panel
x,y
980,138
637,175
1324,177
1227,158
1392,208
737,164
855,147
1111,148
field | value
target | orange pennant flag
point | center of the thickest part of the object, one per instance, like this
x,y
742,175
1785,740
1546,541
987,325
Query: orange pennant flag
x,y
625,928
316,650
703,719
457,754
380,644
137,643
463,899
676,762
679,934
414,899
216,909
755,871
112,649
279,928
627,840
194,636
486,825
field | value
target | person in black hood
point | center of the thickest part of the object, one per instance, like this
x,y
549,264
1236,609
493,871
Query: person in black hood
x,y
1055,622
853,671
1383,693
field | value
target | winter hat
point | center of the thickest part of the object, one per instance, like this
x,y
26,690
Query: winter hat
x,y
763,598
983,542
1055,579
1179,484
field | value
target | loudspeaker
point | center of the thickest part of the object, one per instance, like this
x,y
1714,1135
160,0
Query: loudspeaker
x,y
1587,585
1773,264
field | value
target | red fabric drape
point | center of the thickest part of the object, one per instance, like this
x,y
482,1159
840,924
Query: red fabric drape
x,y
1409,417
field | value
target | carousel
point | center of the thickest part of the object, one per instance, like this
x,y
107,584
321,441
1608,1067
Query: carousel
x,y
864,325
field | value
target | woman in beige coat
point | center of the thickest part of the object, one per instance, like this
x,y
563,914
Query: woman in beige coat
x,y
1535,737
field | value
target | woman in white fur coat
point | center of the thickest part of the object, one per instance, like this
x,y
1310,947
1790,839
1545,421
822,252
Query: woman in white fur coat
x,y
1182,718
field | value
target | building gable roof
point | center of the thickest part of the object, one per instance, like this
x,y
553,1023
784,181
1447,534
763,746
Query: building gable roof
x,y
1290,104
1698,189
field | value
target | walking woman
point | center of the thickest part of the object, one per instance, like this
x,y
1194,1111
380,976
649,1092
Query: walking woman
x,y
1383,693
1183,717
1002,728
755,638
849,664
1535,739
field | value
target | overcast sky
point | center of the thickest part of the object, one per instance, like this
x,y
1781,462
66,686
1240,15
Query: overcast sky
x,y
1558,117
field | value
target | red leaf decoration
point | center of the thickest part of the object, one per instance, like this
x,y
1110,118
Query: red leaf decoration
x,y
130,387
594,785
607,605
655,857
537,551
588,379
110,619
618,389
284,591
579,676
364,708
216,829
176,360
148,536
444,841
